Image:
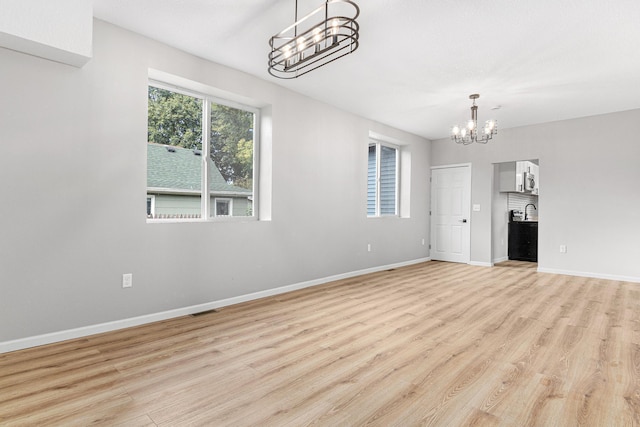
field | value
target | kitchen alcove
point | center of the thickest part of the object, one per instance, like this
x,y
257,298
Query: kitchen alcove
x,y
515,189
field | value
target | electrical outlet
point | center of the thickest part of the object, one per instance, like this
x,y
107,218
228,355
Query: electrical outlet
x,y
127,280
563,249
368,247
422,242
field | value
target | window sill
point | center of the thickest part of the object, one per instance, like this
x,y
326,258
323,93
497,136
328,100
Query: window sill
x,y
218,219
385,217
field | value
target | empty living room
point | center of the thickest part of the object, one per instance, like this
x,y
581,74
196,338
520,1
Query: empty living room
x,y
307,212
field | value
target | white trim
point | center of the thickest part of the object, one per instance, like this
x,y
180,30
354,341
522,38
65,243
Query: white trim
x,y
211,220
53,337
592,275
457,165
502,259
481,264
205,202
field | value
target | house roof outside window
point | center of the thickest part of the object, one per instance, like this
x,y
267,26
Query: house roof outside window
x,y
171,169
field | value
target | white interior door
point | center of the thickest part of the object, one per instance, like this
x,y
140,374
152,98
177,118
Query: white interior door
x,y
450,214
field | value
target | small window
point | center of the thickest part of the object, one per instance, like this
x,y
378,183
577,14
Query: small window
x,y
198,149
382,179
151,206
223,207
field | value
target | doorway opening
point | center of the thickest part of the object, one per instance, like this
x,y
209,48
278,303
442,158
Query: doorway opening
x,y
515,211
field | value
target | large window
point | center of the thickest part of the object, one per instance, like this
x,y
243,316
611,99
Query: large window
x,y
201,153
382,179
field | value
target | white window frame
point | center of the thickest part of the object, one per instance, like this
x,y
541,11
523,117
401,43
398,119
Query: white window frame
x,y
379,144
202,92
222,199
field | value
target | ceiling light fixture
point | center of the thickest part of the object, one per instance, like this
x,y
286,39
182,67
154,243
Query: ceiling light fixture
x,y
469,134
321,37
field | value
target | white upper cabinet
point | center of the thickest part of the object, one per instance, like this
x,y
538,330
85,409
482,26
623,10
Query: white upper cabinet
x,y
535,170
517,177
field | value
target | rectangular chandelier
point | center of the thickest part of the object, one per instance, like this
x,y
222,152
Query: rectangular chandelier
x,y
326,34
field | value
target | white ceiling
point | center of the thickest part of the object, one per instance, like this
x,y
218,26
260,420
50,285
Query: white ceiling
x,y
419,60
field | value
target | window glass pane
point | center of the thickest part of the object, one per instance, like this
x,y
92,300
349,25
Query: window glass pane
x,y
232,158
174,156
387,181
371,181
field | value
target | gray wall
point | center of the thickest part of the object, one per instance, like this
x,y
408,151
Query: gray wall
x,y
589,191
73,179
499,220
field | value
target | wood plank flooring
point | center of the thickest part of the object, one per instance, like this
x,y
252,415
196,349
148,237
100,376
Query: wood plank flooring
x,y
433,344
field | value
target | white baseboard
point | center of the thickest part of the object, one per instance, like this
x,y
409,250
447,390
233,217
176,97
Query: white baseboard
x,y
54,337
481,264
503,259
587,274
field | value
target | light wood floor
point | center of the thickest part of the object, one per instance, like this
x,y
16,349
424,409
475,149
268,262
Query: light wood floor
x,y
431,344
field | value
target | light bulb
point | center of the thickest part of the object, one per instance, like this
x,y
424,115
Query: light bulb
x,y
471,125
287,55
463,132
456,130
316,35
301,47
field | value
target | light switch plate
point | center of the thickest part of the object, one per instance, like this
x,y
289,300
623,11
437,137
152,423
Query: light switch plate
x,y
476,208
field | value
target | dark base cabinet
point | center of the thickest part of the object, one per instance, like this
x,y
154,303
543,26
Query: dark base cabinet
x,y
523,241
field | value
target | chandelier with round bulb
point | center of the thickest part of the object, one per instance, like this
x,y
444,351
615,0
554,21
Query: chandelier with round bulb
x,y
469,134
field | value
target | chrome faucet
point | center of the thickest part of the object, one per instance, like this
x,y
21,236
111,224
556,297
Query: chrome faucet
x,y
525,210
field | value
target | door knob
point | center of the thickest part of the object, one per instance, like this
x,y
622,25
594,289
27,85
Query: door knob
x,y
463,220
